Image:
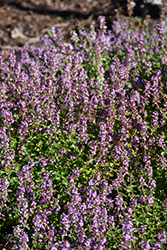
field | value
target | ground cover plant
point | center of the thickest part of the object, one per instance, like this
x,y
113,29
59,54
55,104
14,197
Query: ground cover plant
x,y
83,141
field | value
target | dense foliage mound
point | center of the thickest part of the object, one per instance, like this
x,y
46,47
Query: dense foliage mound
x,y
83,141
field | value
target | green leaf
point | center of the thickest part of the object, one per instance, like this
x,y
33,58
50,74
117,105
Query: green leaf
x,y
129,189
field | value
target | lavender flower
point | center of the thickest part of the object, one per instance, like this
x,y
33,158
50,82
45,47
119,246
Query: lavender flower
x,y
4,184
161,236
104,94
145,244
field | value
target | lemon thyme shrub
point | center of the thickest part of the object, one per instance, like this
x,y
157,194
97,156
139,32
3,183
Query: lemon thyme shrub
x,y
83,141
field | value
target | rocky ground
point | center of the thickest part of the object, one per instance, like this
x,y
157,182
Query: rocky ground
x,y
23,21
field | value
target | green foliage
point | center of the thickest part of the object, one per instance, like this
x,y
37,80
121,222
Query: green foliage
x,y
41,144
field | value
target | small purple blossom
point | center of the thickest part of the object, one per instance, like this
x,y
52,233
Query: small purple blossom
x,y
145,245
162,236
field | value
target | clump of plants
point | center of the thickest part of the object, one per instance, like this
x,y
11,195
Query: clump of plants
x,y
83,141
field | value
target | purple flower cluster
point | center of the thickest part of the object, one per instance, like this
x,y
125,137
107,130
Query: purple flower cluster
x,y
4,184
90,203
83,142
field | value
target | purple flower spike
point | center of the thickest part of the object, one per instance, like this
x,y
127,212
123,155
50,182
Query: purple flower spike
x,y
145,245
